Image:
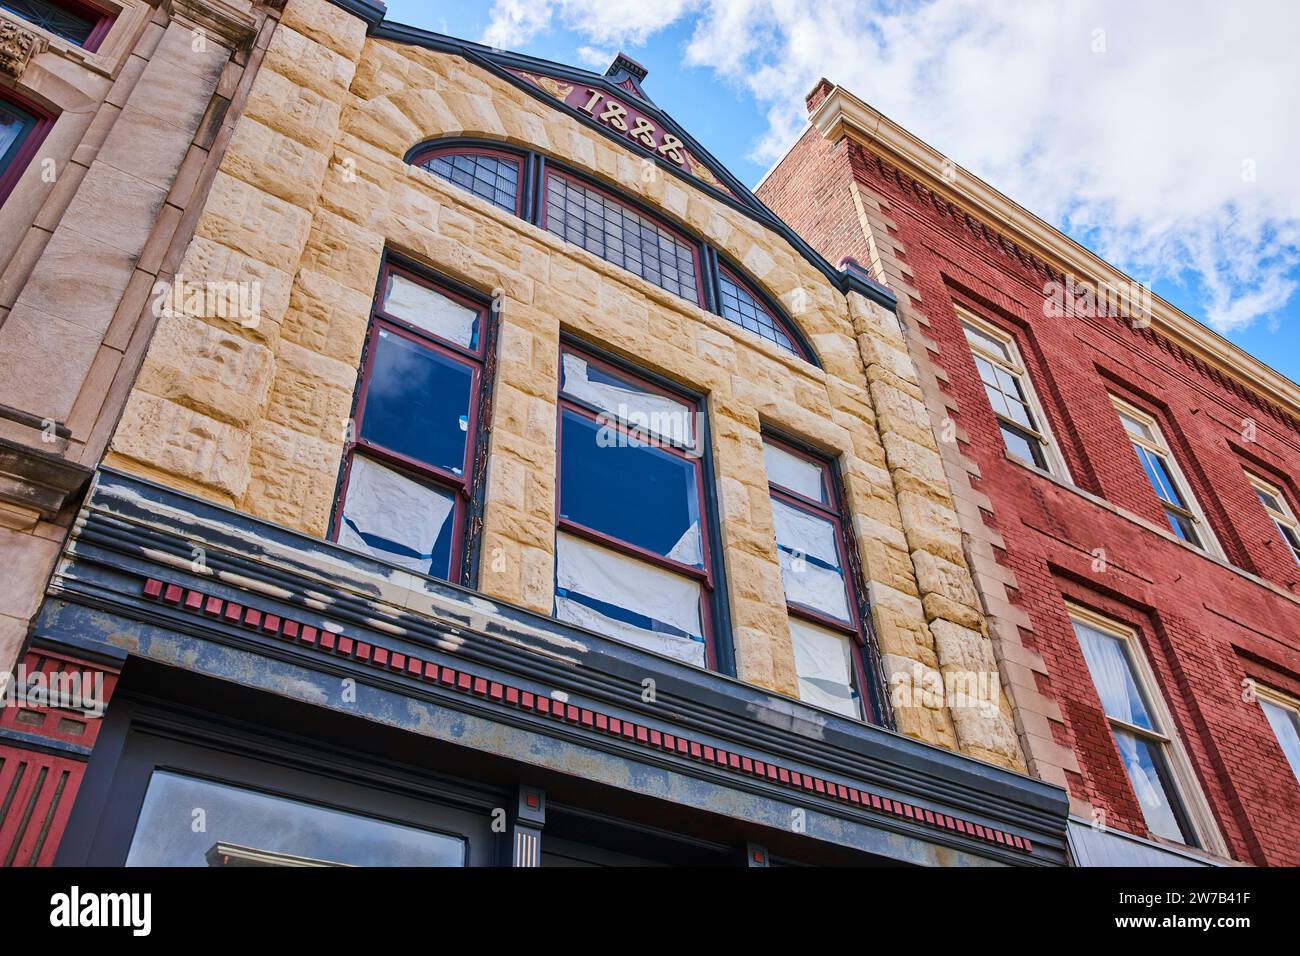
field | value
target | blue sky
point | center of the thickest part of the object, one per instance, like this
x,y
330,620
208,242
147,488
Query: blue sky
x,y
1167,145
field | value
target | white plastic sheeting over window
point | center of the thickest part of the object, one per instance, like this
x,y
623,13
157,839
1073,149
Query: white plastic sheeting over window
x,y
648,412
628,600
431,311
824,662
793,473
391,517
810,561
687,550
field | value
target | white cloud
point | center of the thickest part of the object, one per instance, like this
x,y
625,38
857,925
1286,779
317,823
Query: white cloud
x,y
1132,125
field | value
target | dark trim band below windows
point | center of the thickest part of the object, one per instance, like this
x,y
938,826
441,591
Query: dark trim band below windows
x,y
753,309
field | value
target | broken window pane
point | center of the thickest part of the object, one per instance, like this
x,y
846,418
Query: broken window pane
x,y
793,473
644,496
417,403
824,662
810,561
627,599
646,411
427,309
389,516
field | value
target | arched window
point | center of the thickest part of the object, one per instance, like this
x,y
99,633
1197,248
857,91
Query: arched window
x,y
737,304
614,227
490,174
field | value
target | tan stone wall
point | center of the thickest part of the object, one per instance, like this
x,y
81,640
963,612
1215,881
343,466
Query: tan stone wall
x,y
314,187
98,215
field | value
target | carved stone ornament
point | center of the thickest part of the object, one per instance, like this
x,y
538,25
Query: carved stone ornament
x,y
17,46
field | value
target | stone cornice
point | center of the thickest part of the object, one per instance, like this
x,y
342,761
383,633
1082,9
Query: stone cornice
x,y
36,480
224,23
842,114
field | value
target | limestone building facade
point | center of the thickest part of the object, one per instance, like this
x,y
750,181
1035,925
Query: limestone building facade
x,y
498,455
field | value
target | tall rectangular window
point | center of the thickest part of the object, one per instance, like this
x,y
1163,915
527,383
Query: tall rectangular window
x,y
825,626
1279,509
411,464
1006,383
633,556
1283,715
1158,463
22,127
1140,727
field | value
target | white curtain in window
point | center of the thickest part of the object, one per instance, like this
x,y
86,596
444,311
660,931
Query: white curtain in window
x,y
1284,726
429,310
810,561
1139,760
823,661
1112,675
391,517
650,412
644,605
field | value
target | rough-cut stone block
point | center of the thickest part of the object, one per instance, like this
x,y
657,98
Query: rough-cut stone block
x,y
208,370
327,24
327,317
308,63
312,393
292,478
247,296
254,222
179,441
275,163
299,112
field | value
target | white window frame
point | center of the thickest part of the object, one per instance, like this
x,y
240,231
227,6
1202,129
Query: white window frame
x,y
1159,446
1285,702
1165,734
1014,365
1284,518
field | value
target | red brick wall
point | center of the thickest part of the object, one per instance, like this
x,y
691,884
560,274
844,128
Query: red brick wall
x,y
1204,627
43,752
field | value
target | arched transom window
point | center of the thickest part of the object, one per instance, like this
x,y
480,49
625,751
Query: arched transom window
x,y
613,227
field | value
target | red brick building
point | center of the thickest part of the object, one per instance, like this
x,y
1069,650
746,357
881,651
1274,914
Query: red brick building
x,y
1128,486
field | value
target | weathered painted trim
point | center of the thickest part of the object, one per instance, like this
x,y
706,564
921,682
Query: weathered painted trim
x,y
132,531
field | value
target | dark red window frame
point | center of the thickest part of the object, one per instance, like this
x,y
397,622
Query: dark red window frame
x,y
31,141
102,19
531,206
691,244
832,511
462,486
470,149
705,574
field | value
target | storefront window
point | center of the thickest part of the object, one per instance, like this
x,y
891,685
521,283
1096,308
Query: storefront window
x,y
188,821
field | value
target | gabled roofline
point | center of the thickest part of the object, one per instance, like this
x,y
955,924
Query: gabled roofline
x,y
843,114
500,63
